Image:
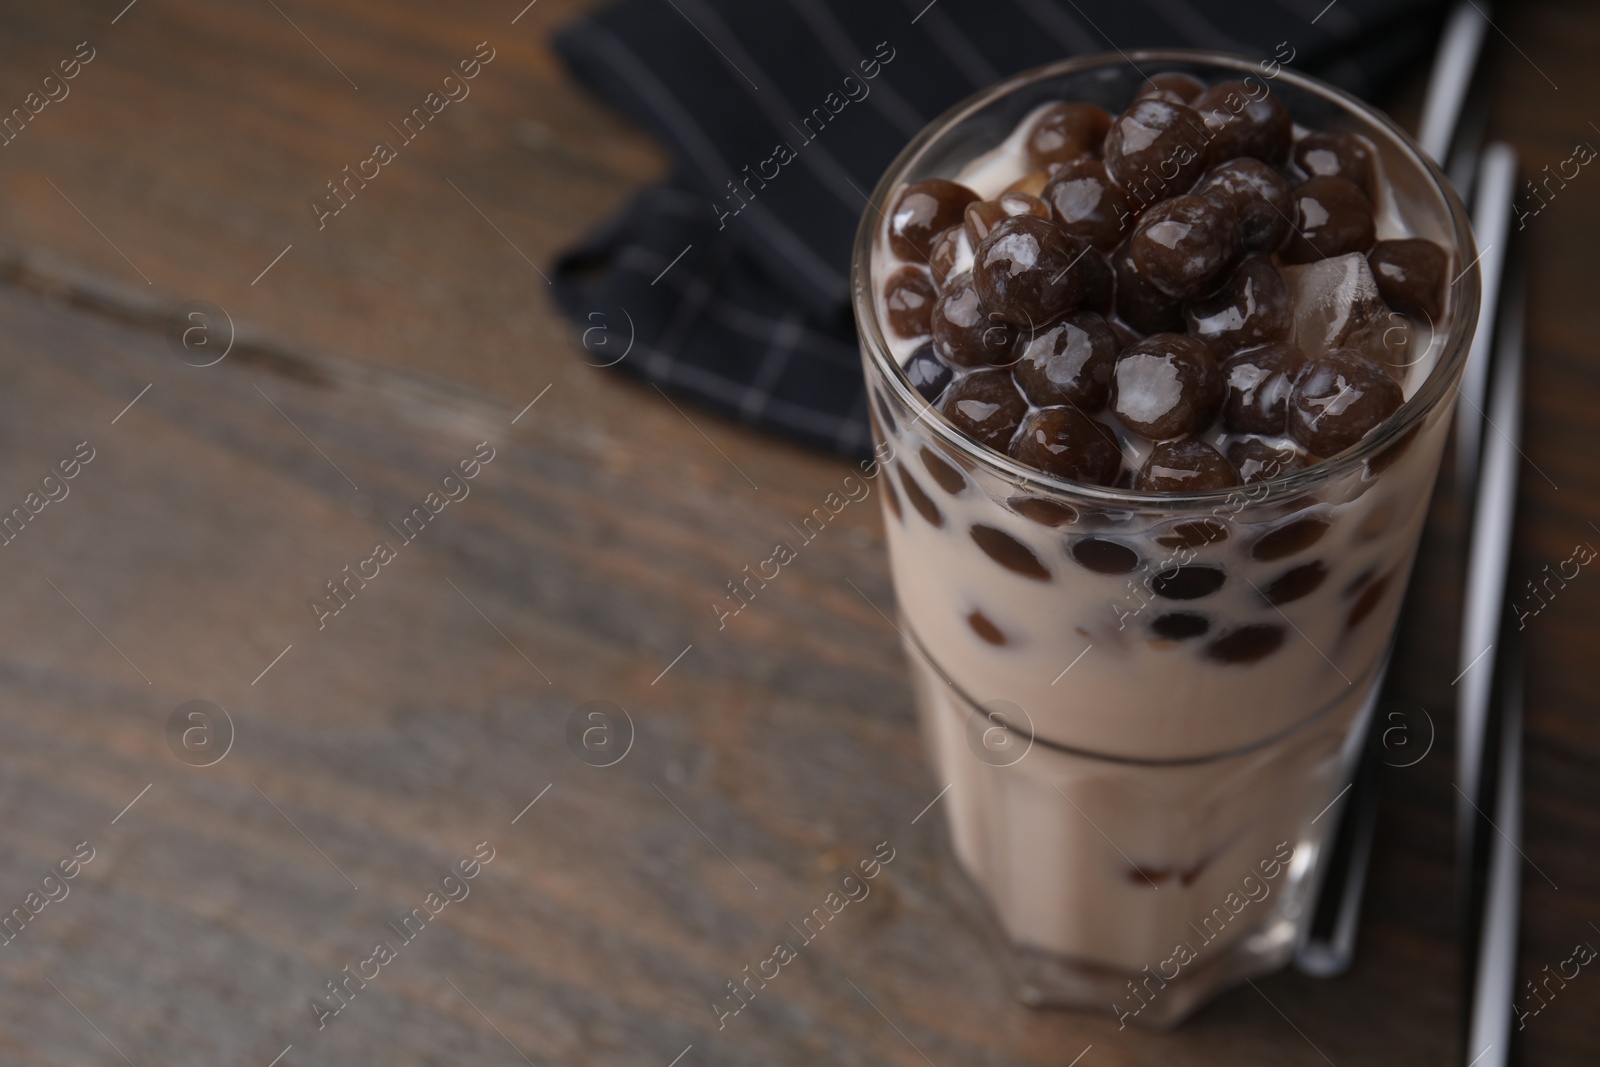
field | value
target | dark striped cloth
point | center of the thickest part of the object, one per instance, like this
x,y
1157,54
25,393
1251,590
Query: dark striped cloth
x,y
738,301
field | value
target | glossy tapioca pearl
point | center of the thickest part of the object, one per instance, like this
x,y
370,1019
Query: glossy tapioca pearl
x,y
920,500
1293,584
1139,304
965,333
1411,275
1246,644
1338,400
1179,625
1171,85
1032,183
1156,149
1010,553
1261,196
1068,363
1291,537
946,252
1186,465
1193,533
1064,132
1189,582
1029,272
1258,461
1250,308
1183,245
981,218
921,212
1166,386
1066,443
1104,556
909,296
1260,382
1333,217
1088,204
1052,513
986,406
943,471
1243,122
1329,153
927,373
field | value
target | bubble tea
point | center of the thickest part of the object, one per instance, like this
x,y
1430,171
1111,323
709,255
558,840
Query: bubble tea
x,y
1163,364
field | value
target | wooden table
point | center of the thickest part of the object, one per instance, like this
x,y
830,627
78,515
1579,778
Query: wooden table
x,y
372,755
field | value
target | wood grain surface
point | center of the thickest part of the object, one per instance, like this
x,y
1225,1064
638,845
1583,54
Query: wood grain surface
x,y
370,756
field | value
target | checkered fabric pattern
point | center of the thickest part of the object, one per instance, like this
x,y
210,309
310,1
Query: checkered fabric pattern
x,y
740,304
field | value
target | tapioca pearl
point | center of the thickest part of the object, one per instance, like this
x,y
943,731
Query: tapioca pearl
x,y
964,333
1184,245
1246,644
1288,539
1332,217
1028,271
1088,204
986,629
981,218
1243,124
1189,582
1257,460
1103,556
1411,275
1010,553
1032,183
921,212
1052,513
892,500
927,373
1064,132
1069,363
1252,307
1339,398
1259,383
919,498
1156,149
950,480
1185,465
1180,625
1329,153
986,406
1386,456
1296,583
1261,196
946,251
1166,386
1194,533
1366,602
1149,877
1065,442
1139,304
908,296
1183,87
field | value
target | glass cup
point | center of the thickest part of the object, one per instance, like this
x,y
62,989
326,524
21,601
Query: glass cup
x,y
1142,815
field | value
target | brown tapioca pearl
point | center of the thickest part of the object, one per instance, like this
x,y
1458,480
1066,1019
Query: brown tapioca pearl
x,y
1066,443
1088,204
1185,465
1139,304
1332,218
1032,183
950,480
1243,124
1260,382
1183,87
1010,553
1296,583
921,212
963,333
1180,625
1104,557
1195,533
1190,875
1257,460
1291,537
1338,400
1368,600
985,406
946,251
1326,153
1098,285
1250,308
1166,386
1183,245
1052,513
981,218
909,296
1069,363
1385,457
1190,582
1411,275
1246,644
927,373
1148,876
1156,149
919,498
892,499
1260,195
984,628
1027,271
1064,132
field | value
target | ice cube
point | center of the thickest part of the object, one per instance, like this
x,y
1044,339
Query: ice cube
x,y
1337,305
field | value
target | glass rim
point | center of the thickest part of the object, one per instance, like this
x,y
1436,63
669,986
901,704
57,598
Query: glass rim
x,y
1464,293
